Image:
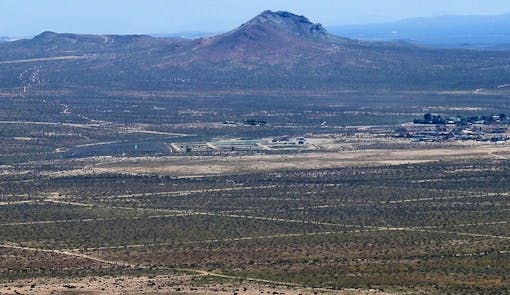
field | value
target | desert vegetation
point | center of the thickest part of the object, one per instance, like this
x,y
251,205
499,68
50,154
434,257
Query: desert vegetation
x,y
432,227
131,173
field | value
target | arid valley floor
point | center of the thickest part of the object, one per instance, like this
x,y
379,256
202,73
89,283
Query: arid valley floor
x,y
355,210
275,158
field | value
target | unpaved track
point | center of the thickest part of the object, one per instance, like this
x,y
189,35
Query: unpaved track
x,y
66,57
126,264
88,205
208,273
469,224
188,192
68,253
295,221
87,220
460,233
500,157
447,198
226,240
17,203
75,125
199,213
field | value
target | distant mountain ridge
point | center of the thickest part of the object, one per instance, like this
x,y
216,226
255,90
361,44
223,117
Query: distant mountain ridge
x,y
274,50
4,39
446,31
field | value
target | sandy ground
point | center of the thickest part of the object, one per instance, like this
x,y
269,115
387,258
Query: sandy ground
x,y
154,285
195,166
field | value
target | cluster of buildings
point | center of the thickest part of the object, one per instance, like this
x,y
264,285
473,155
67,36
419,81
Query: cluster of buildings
x,y
441,133
435,128
286,140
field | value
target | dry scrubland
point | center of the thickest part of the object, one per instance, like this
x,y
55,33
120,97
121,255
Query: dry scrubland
x,y
94,200
95,197
365,222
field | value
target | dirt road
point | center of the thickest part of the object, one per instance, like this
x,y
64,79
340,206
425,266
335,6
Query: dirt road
x,y
66,57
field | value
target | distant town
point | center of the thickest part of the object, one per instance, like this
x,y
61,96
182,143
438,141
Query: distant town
x,y
462,121
487,128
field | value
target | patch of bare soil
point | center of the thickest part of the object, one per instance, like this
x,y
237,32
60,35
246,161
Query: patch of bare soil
x,y
189,166
178,284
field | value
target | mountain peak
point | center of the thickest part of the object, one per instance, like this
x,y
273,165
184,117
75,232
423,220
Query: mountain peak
x,y
47,35
282,14
287,21
269,36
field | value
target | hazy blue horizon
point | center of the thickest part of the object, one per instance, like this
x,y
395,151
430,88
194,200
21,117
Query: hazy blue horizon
x,y
30,17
